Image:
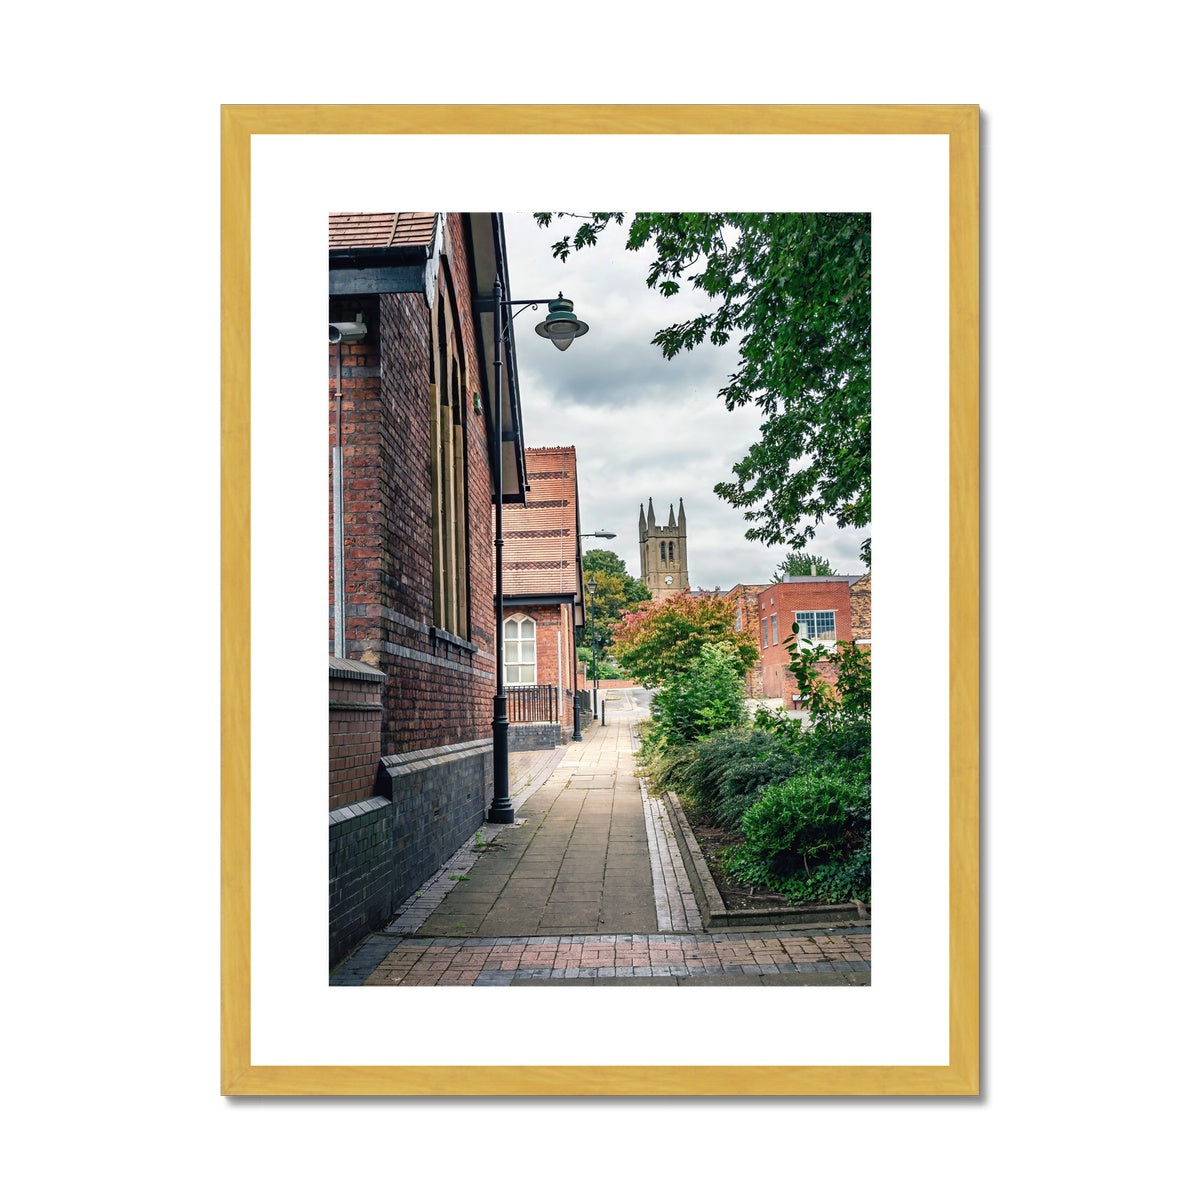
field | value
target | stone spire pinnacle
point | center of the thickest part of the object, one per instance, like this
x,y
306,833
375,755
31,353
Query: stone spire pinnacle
x,y
682,518
642,522
650,514
671,518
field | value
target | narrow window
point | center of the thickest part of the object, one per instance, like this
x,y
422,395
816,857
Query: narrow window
x,y
764,625
671,551
447,467
662,551
774,629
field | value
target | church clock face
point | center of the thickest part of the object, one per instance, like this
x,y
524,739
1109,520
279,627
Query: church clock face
x,y
668,580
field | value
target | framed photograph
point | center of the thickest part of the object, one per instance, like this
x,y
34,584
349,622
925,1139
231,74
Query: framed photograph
x,y
285,169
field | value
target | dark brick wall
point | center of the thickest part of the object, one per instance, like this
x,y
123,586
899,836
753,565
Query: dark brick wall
x,y
383,849
541,735
439,799
361,876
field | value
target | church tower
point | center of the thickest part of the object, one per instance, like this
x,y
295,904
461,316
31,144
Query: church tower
x,y
664,552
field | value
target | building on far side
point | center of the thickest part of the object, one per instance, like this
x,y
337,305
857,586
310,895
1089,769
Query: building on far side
x,y
745,599
820,605
543,600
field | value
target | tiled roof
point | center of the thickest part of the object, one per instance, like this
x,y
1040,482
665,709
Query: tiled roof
x,y
540,546
375,231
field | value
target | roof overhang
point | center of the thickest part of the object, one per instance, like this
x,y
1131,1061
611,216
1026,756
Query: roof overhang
x,y
489,258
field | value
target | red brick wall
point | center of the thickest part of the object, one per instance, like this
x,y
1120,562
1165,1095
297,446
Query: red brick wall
x,y
823,592
551,621
355,717
438,690
745,599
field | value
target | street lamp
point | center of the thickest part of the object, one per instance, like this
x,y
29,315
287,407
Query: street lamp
x,y
591,587
562,327
577,735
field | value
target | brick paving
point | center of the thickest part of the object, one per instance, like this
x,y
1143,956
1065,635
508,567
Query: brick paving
x,y
794,958
586,888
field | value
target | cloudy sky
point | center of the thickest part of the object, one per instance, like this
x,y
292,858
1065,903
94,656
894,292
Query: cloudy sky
x,y
642,427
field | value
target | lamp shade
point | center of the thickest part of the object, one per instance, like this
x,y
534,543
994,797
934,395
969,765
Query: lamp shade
x,y
561,325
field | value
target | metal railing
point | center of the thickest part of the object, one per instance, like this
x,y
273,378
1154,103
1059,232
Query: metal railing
x,y
528,703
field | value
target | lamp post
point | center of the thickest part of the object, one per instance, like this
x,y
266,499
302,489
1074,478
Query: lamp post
x,y
562,327
600,533
591,587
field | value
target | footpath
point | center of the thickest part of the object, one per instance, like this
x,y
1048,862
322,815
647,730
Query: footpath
x,y
586,888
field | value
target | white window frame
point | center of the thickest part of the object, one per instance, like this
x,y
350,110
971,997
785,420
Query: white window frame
x,y
831,613
524,666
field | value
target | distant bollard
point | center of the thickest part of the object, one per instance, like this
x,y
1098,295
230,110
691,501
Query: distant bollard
x,y
603,703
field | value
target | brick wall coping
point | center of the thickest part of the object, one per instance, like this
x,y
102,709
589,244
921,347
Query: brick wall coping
x,y
350,668
359,809
413,760
852,579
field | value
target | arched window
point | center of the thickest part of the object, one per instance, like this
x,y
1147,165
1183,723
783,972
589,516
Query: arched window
x,y
662,551
671,551
520,651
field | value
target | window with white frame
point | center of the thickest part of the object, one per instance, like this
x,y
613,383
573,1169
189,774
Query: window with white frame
x,y
774,629
764,625
819,625
520,651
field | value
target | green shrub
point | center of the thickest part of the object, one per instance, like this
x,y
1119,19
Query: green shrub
x,y
729,771
808,838
705,697
667,764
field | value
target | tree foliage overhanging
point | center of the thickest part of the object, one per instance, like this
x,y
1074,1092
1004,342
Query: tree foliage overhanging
x,y
795,289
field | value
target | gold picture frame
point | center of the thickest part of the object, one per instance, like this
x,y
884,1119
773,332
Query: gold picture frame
x,y
960,1076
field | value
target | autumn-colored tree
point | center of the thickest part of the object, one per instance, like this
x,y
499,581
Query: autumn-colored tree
x,y
660,641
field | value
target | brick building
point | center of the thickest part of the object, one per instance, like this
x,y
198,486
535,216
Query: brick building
x,y
412,619
860,610
821,604
745,599
543,599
